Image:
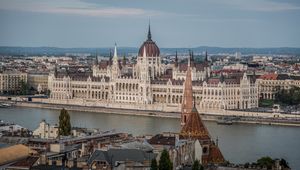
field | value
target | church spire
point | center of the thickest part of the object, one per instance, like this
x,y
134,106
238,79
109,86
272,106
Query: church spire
x,y
149,32
115,51
97,61
187,101
206,57
176,59
110,57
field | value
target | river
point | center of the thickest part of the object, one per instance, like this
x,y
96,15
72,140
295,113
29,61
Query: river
x,y
239,143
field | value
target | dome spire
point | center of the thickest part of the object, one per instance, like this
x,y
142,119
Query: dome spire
x,y
115,51
149,32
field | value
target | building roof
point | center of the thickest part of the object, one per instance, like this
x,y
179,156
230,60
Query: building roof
x,y
114,155
271,76
160,139
24,163
198,66
14,153
145,146
194,127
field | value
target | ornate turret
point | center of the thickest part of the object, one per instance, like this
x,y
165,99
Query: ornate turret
x,y
115,65
115,58
206,56
176,59
110,57
124,60
96,57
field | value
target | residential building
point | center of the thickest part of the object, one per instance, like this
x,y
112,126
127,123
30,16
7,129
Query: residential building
x,y
269,84
11,81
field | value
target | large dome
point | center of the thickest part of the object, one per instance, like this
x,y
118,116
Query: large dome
x,y
151,48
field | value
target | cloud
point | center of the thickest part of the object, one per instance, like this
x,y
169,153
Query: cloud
x,y
73,7
261,5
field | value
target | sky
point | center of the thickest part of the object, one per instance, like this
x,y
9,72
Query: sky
x,y
174,23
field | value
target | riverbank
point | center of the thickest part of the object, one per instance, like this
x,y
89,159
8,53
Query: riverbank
x,y
239,117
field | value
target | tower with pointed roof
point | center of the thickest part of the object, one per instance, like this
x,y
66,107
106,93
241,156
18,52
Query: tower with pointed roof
x,y
115,66
176,59
194,129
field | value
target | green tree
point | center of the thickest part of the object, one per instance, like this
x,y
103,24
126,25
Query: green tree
x,y
289,96
164,161
284,163
265,162
64,123
24,88
197,165
154,165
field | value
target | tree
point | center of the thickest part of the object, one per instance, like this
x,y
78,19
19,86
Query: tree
x,y
153,165
164,161
265,162
24,88
289,96
197,165
284,163
64,123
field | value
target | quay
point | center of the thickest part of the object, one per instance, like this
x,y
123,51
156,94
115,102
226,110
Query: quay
x,y
238,116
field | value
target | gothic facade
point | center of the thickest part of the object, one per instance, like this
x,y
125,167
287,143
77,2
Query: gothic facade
x,y
150,84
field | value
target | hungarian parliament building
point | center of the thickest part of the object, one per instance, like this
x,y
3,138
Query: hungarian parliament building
x,y
151,85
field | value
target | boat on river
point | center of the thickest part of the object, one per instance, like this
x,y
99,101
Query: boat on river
x,y
224,121
5,105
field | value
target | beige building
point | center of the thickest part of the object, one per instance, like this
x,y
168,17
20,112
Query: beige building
x,y
270,84
46,131
10,82
38,81
151,85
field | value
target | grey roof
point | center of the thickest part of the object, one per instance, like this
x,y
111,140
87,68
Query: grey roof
x,y
144,146
114,155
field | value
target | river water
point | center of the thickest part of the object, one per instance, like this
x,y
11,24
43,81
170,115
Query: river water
x,y
239,143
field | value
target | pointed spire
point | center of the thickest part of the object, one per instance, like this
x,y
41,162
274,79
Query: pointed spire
x,y
149,32
189,62
55,71
124,60
110,57
206,57
115,51
176,59
97,62
187,102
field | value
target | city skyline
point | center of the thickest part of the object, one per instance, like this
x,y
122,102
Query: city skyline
x,y
88,23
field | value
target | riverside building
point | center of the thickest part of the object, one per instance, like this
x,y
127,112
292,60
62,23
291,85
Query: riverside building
x,y
269,84
151,85
11,81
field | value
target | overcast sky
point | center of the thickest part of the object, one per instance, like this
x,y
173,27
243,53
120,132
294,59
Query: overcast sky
x,y
174,23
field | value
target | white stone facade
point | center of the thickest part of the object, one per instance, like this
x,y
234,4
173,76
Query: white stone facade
x,y
46,131
151,85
